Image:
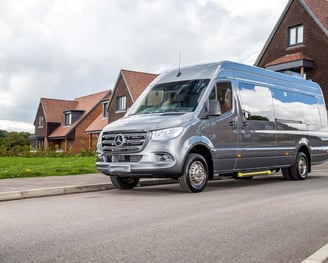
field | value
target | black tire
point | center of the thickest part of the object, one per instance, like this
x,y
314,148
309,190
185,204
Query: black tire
x,y
124,182
286,174
299,170
195,176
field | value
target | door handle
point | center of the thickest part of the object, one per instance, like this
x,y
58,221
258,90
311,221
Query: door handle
x,y
245,123
233,124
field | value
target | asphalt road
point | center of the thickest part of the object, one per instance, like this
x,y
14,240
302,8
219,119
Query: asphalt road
x,y
262,220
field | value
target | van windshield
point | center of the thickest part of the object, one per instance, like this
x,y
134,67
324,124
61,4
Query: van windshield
x,y
180,96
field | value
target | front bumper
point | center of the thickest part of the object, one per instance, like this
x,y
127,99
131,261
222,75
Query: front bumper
x,y
149,166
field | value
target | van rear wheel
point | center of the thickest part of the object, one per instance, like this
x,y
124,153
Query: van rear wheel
x,y
299,170
286,174
195,175
124,182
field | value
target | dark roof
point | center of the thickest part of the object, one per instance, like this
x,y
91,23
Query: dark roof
x,y
317,9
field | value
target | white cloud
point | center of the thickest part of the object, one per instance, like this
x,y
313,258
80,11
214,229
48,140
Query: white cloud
x,y
16,126
67,49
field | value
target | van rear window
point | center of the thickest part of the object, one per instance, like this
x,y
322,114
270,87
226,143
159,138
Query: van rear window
x,y
295,107
256,102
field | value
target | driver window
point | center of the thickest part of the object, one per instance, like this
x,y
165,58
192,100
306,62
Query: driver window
x,y
223,93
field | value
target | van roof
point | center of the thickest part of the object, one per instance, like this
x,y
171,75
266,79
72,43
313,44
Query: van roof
x,y
212,70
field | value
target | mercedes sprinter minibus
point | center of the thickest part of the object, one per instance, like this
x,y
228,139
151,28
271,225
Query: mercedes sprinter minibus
x,y
219,119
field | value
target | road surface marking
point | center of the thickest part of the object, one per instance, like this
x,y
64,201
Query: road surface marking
x,y
319,256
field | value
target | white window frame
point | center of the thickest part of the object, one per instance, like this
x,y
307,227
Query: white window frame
x,y
105,108
120,103
295,35
41,121
68,119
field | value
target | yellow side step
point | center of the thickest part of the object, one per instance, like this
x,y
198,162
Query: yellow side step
x,y
267,172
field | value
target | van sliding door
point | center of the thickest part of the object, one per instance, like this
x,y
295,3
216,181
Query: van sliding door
x,y
257,127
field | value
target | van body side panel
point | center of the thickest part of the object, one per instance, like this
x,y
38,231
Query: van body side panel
x,y
258,139
223,132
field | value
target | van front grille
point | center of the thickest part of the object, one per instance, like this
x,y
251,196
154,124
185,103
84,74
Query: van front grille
x,y
124,142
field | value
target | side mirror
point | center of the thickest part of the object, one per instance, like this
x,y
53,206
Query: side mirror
x,y
214,108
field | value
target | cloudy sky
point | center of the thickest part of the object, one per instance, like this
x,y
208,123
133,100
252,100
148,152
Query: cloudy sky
x,y
67,49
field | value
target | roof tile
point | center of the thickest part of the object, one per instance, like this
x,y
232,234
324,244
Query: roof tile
x,y
97,125
289,58
319,9
137,81
85,103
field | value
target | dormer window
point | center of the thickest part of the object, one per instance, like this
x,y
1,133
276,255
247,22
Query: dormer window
x,y
68,119
295,35
105,108
71,116
41,120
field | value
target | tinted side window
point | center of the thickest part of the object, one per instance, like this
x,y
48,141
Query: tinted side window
x,y
299,111
256,102
223,93
322,110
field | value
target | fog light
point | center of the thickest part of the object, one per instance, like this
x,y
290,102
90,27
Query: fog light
x,y
164,157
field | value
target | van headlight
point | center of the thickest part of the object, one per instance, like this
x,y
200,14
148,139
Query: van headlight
x,y
99,144
167,133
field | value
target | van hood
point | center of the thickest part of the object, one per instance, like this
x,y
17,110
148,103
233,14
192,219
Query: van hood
x,y
149,122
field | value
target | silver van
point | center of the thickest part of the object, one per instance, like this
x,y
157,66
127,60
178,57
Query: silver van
x,y
219,119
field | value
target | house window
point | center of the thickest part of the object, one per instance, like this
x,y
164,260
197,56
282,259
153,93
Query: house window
x,y
68,119
41,120
295,35
121,103
105,109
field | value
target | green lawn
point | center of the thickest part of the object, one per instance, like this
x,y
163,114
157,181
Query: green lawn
x,y
13,167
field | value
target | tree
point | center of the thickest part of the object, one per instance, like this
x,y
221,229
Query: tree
x,y
13,143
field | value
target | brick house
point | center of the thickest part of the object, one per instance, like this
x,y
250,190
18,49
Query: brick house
x,y
61,124
127,89
299,42
94,129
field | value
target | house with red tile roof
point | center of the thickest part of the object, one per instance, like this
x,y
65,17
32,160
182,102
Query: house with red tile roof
x,y
299,42
61,124
128,87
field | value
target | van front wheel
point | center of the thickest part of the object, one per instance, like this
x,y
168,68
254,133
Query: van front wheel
x,y
195,175
124,182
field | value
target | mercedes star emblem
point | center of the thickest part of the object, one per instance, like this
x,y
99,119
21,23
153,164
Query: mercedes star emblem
x,y
119,140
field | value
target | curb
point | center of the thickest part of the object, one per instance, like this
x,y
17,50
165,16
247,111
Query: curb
x,y
65,190
319,256
16,195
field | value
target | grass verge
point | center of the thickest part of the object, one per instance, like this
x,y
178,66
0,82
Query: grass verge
x,y
17,167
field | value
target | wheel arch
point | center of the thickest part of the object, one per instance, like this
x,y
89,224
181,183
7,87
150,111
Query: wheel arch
x,y
305,149
206,153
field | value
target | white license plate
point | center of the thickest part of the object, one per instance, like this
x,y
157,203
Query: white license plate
x,y
123,168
